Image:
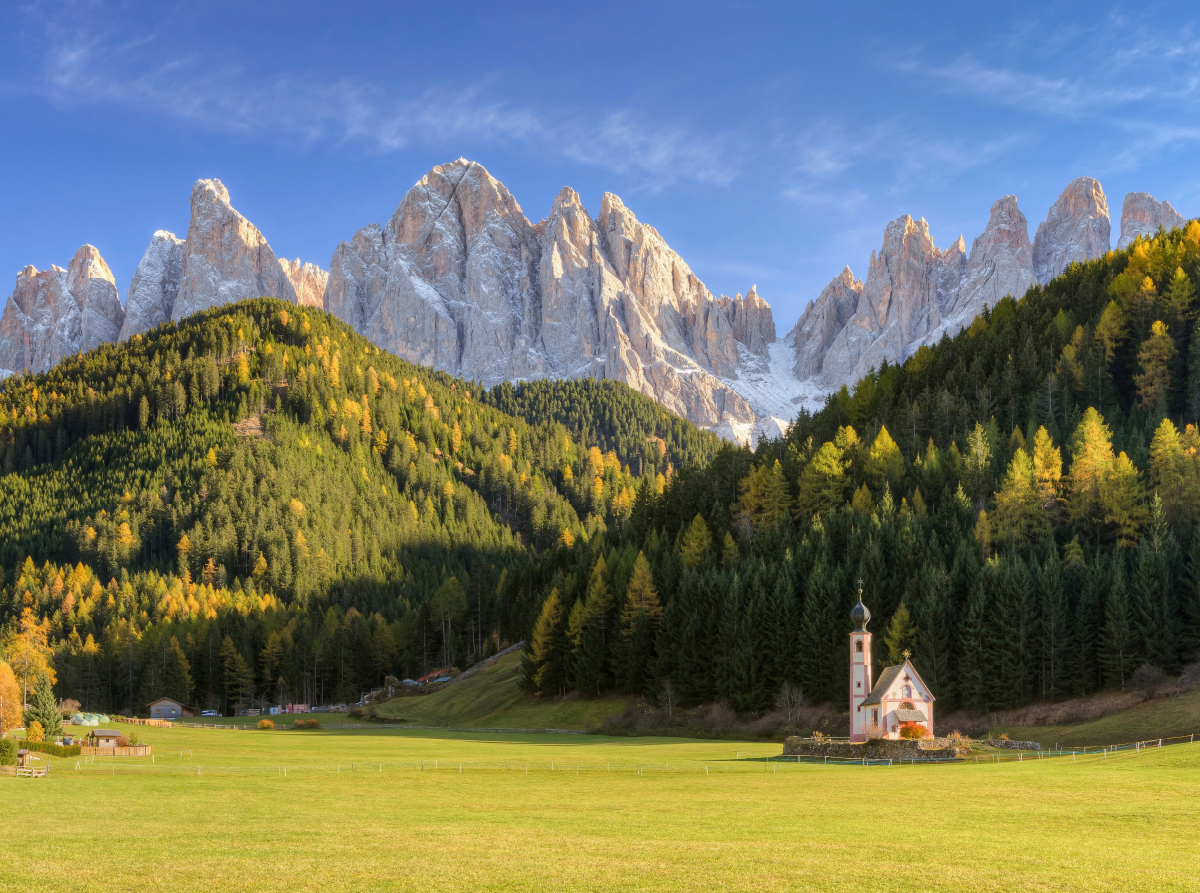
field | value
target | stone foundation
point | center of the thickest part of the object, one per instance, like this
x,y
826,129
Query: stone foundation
x,y
880,749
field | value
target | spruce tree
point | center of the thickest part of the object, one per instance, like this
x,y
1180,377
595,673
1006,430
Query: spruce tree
x,y
44,709
1088,672
901,636
1116,645
972,661
178,682
543,663
1156,617
935,619
1190,607
1055,633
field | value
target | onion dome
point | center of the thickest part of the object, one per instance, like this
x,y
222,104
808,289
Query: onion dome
x,y
860,615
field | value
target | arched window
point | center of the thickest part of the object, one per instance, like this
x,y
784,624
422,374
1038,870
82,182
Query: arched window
x,y
858,646
906,691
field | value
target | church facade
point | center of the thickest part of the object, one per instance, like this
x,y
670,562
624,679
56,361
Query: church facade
x,y
898,698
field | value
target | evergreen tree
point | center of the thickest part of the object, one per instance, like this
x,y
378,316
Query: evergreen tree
x,y
1089,624
178,678
543,663
640,619
901,636
1156,625
1117,643
1190,609
1057,644
973,663
43,708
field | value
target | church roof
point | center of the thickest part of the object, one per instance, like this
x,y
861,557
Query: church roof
x,y
910,715
888,677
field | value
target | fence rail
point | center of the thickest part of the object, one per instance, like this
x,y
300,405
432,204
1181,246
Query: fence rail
x,y
383,725
131,750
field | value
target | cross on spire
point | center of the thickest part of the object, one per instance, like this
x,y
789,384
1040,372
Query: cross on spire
x,y
907,654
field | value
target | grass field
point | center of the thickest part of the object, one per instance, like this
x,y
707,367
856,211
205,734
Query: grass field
x,y
565,812
1163,718
492,698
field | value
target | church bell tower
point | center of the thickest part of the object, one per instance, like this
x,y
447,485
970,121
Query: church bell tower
x,y
860,670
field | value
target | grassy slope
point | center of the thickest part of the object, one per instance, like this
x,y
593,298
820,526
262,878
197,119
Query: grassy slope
x,y
1125,823
492,698
1164,718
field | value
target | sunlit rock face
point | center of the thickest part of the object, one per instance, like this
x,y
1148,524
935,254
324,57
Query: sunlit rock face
x,y
308,280
459,279
915,293
225,257
1077,228
155,286
1142,215
55,313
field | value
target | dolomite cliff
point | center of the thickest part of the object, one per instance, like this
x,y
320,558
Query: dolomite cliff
x,y
151,296
1142,215
1076,228
459,279
916,293
223,259
55,313
308,280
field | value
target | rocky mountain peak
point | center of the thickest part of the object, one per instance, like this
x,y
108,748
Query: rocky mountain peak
x,y
459,279
1077,228
1142,214
155,286
308,280
223,259
55,313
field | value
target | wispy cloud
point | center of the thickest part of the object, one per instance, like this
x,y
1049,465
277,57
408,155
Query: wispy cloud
x,y
90,67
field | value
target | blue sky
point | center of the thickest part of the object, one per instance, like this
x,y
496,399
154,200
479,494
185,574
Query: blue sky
x,y
769,144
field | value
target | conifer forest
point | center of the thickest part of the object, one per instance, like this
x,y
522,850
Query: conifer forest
x,y
258,505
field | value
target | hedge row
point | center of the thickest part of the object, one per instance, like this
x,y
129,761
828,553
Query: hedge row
x,y
50,748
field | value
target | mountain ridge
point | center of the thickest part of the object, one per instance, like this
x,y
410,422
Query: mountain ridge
x,y
460,279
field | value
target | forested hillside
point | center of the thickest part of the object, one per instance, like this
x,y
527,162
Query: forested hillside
x,y
259,503
609,415
1019,505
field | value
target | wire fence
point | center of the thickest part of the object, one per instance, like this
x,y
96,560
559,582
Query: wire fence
x,y
379,725
174,764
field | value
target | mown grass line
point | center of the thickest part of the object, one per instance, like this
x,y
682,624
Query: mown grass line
x,y
1122,823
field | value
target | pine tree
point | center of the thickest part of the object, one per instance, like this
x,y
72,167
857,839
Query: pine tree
x,y
178,681
543,662
1116,645
1156,625
935,619
1089,624
901,636
593,660
972,662
1057,645
1190,608
639,623
696,547
44,709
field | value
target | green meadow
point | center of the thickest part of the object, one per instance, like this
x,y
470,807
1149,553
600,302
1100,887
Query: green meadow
x,y
381,809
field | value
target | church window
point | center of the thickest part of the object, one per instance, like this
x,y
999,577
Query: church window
x,y
858,685
858,647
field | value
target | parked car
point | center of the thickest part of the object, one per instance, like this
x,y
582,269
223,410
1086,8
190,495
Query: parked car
x,y
209,713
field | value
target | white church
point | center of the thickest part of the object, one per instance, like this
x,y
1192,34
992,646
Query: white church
x,y
900,696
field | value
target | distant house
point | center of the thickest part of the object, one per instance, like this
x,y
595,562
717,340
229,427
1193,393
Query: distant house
x,y
435,676
168,708
104,737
